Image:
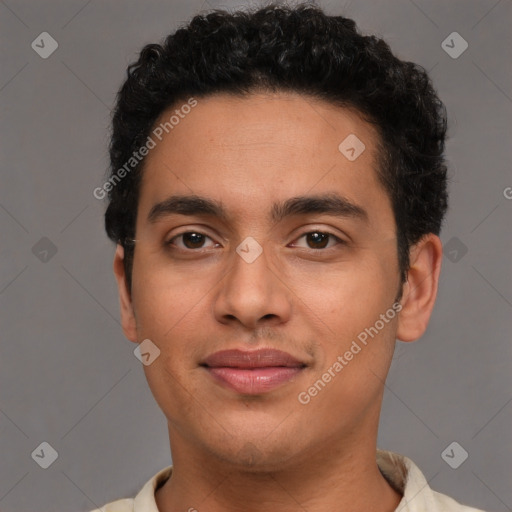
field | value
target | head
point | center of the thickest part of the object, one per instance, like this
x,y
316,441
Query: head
x,y
275,123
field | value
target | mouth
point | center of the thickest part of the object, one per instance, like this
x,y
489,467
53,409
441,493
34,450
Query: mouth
x,y
252,372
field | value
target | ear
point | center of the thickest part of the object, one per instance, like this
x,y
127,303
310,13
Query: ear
x,y
420,290
127,314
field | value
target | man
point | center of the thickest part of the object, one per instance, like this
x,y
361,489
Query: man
x,y
276,194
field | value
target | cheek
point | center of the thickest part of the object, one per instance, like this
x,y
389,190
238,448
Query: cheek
x,y
346,297
349,303
170,311
166,299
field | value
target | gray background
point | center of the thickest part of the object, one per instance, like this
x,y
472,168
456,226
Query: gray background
x,y
68,376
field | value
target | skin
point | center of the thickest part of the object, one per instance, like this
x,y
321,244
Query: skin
x,y
270,452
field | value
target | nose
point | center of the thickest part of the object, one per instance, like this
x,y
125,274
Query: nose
x,y
252,292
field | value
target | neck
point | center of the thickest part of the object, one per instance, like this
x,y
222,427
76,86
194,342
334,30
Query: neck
x,y
334,476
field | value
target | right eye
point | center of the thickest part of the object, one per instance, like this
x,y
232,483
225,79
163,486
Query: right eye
x,y
190,241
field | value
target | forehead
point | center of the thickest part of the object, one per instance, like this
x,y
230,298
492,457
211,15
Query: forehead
x,y
252,150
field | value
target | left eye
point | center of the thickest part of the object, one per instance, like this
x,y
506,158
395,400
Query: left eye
x,y
319,239
191,239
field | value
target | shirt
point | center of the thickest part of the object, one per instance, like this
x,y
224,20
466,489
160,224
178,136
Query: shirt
x,y
401,473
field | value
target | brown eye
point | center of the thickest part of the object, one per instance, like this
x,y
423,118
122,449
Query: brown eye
x,y
316,240
319,240
193,240
190,240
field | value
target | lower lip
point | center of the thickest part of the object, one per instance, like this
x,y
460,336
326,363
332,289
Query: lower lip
x,y
255,381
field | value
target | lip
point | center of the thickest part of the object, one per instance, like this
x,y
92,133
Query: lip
x,y
252,372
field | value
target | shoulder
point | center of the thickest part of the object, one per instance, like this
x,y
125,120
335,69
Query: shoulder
x,y
445,503
417,496
124,505
145,499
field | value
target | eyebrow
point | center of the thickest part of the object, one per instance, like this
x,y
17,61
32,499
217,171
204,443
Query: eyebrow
x,y
327,204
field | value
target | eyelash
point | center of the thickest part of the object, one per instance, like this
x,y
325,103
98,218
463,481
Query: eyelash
x,y
169,243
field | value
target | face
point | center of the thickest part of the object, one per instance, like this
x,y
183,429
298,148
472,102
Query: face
x,y
299,257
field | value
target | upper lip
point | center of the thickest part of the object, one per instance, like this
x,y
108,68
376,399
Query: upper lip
x,y
261,358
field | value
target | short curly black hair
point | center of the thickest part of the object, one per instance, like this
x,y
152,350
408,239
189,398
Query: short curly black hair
x,y
300,49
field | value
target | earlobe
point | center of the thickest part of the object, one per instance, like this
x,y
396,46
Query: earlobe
x,y
420,290
128,322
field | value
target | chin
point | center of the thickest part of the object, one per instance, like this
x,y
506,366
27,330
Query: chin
x,y
257,455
